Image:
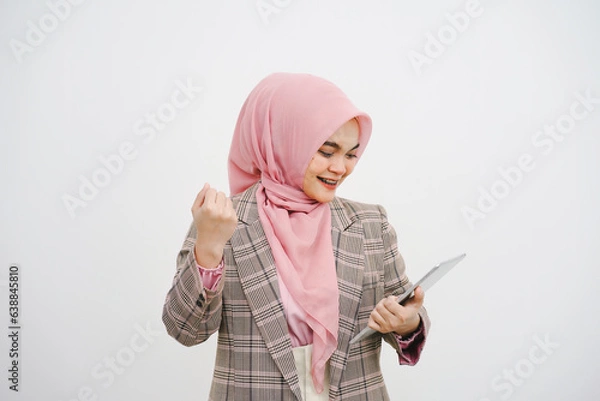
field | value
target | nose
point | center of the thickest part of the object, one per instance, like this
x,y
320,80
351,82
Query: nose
x,y
338,166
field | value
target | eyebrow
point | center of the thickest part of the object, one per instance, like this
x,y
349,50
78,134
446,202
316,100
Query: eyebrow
x,y
336,146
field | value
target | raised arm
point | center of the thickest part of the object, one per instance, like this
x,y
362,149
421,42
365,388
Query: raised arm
x,y
192,312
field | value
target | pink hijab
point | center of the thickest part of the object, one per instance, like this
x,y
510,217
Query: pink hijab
x,y
282,124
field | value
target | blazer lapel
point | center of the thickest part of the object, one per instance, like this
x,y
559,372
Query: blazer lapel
x,y
347,239
258,277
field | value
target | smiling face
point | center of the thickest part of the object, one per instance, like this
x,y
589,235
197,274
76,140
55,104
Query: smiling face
x,y
332,163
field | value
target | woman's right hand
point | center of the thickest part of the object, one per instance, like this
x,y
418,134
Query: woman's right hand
x,y
215,221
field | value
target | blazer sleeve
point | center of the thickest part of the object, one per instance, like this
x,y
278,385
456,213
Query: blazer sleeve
x,y
191,313
397,282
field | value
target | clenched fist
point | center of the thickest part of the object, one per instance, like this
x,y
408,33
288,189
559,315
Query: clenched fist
x,y
215,221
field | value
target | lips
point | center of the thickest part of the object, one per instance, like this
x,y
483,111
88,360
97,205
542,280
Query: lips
x,y
328,182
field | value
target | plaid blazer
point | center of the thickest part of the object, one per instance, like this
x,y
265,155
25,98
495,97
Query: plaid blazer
x,y
254,354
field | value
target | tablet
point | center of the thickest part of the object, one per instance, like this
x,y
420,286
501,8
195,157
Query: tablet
x,y
426,282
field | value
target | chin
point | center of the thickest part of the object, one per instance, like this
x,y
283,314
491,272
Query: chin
x,y
324,198
317,192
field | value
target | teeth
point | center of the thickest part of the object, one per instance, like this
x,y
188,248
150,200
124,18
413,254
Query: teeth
x,y
330,182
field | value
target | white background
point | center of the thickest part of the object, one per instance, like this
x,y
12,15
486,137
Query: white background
x,y
91,279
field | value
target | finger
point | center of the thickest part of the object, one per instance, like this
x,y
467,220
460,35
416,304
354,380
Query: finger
x,y
383,320
221,200
391,301
200,197
419,294
400,312
375,321
374,325
210,197
230,205
388,312
389,307
416,301
230,209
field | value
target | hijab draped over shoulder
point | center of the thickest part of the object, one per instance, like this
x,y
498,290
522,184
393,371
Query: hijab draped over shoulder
x,y
284,121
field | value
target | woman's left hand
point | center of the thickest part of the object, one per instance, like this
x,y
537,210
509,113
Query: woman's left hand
x,y
389,316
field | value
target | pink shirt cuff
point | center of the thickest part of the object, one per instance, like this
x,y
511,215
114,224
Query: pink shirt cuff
x,y
211,277
411,346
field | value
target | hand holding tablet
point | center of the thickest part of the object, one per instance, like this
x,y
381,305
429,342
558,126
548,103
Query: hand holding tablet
x,y
426,282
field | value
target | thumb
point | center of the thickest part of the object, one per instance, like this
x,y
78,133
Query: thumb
x,y
199,201
418,297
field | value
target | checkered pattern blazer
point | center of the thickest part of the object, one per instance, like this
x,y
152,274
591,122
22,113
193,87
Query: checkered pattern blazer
x,y
254,359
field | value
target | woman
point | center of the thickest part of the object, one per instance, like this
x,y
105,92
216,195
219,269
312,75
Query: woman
x,y
286,271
